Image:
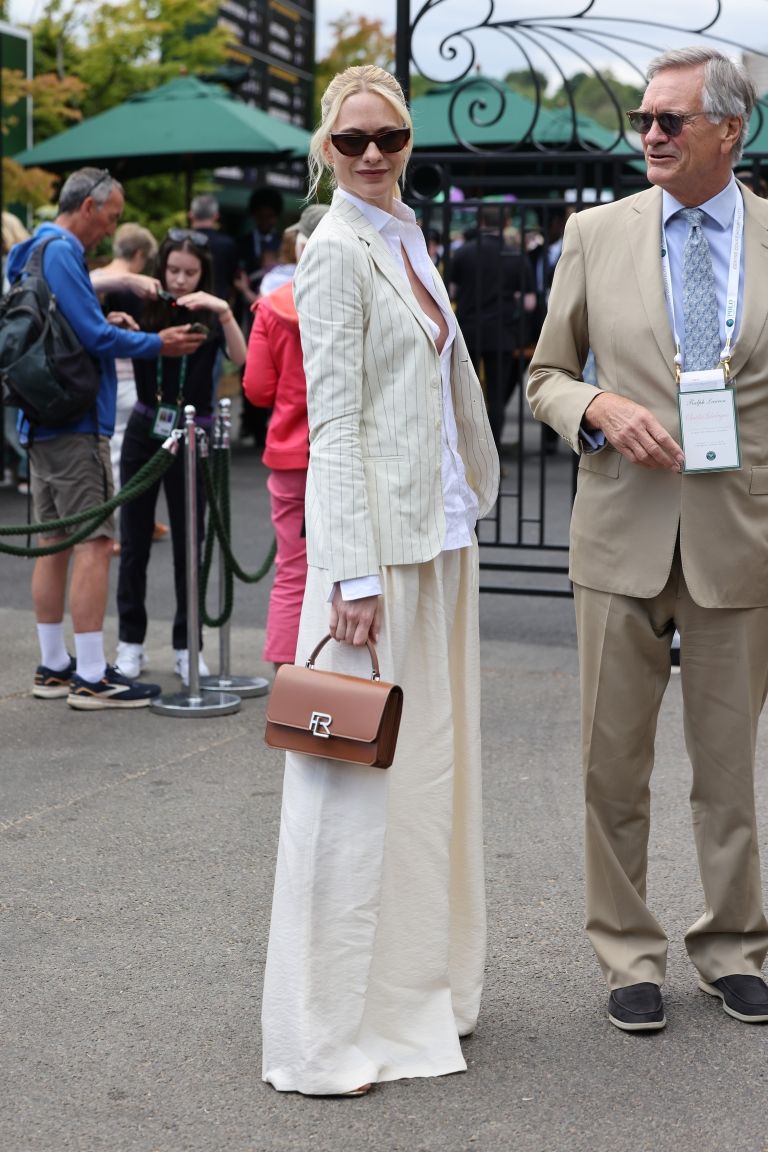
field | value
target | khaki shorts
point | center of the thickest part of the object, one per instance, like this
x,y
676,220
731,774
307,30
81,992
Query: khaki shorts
x,y
71,474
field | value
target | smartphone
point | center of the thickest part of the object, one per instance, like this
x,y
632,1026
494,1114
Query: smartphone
x,y
198,327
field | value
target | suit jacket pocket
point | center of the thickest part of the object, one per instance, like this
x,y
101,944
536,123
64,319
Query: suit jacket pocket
x,y
606,462
758,485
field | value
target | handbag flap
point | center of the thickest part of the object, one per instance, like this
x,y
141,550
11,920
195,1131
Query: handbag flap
x,y
328,703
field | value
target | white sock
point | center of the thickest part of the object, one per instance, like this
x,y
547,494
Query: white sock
x,y
53,650
91,660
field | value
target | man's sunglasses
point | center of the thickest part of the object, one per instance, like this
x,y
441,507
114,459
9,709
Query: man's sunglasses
x,y
103,175
356,143
179,234
671,123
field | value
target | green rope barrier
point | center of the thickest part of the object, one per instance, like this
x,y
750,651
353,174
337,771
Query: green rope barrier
x,y
147,475
220,485
218,525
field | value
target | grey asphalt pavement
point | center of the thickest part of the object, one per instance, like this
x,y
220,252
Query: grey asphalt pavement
x,y
137,854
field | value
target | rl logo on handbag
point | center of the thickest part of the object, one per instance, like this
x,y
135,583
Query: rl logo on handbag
x,y
355,718
320,724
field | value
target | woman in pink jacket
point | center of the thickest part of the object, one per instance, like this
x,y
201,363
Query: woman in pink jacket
x,y
274,378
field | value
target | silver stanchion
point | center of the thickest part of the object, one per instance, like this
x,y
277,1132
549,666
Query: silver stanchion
x,y
243,685
192,702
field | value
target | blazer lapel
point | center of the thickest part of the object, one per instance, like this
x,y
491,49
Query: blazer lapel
x,y
752,300
644,231
381,256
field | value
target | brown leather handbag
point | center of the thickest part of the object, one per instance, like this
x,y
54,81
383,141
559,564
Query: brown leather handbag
x,y
333,715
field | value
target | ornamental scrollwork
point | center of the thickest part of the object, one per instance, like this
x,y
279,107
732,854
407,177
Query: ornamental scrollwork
x,y
452,43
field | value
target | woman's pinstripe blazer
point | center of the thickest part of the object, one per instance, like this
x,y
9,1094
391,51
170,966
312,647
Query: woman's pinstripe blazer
x,y
374,491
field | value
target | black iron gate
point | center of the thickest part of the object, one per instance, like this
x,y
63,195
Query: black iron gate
x,y
534,167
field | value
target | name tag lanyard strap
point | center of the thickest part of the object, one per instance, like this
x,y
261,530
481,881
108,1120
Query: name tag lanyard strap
x,y
182,382
732,298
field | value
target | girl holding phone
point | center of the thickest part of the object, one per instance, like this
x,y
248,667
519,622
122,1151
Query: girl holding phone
x,y
163,387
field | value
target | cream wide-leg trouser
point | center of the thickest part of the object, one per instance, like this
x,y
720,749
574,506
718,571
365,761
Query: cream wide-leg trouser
x,y
377,942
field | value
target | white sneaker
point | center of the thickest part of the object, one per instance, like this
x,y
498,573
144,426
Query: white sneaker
x,y
131,660
182,665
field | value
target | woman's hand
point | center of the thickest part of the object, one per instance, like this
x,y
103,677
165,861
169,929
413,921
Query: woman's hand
x,y
195,300
355,621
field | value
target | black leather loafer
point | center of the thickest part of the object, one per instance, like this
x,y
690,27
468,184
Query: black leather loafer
x,y
744,997
637,1008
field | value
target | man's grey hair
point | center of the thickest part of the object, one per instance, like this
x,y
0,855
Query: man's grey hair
x,y
728,90
204,207
95,182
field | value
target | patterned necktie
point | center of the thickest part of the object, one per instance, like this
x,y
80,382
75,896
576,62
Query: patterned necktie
x,y
702,326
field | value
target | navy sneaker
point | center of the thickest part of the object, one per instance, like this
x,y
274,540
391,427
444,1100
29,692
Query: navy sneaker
x,y
637,1008
112,691
49,683
744,997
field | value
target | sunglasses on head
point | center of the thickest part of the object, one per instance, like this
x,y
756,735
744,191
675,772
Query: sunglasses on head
x,y
671,123
356,143
179,234
103,175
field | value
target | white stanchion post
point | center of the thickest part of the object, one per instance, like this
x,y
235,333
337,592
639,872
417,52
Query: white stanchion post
x,y
192,702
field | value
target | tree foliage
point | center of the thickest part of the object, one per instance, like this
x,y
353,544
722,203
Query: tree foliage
x,y
357,40
55,102
603,97
120,49
89,58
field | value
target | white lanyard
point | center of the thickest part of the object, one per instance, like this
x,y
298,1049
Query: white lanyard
x,y
732,298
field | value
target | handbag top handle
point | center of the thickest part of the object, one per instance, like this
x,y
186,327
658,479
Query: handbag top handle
x,y
375,674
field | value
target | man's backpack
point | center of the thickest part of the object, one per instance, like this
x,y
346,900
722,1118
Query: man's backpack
x,y
44,369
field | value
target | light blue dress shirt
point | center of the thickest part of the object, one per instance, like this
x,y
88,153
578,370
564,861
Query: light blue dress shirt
x,y
717,225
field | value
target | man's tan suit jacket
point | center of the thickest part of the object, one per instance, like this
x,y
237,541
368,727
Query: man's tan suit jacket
x,y
374,487
608,293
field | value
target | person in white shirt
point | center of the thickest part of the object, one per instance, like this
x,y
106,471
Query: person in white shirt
x,y
377,944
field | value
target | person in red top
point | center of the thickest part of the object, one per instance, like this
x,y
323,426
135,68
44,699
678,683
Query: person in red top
x,y
274,378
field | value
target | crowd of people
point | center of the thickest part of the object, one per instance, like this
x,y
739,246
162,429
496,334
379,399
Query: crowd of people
x,y
383,453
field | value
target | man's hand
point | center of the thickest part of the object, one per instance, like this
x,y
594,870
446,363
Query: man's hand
x,y
354,621
179,341
122,320
145,287
634,431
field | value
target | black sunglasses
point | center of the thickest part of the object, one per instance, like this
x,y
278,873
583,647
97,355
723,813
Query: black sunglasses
x,y
356,143
671,123
179,234
103,175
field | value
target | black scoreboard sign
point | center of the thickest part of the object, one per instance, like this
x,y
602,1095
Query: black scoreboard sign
x,y
275,39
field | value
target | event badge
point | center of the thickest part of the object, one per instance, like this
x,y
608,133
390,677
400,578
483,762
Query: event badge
x,y
165,421
709,428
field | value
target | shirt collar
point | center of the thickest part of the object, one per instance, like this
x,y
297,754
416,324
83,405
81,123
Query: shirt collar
x,y
719,209
401,213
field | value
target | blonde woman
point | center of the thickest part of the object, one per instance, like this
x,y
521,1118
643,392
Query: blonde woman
x,y
376,951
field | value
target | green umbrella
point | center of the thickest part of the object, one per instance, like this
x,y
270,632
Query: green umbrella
x,y
476,105
178,127
433,129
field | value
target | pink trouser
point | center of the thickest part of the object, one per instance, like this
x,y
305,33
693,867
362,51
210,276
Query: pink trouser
x,y
286,491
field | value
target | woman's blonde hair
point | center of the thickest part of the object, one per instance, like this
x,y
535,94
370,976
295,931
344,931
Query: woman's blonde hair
x,y
360,78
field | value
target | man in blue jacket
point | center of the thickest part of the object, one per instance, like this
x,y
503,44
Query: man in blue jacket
x,y
70,466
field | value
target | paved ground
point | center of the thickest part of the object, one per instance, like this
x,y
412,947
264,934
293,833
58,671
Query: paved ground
x,y
136,855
